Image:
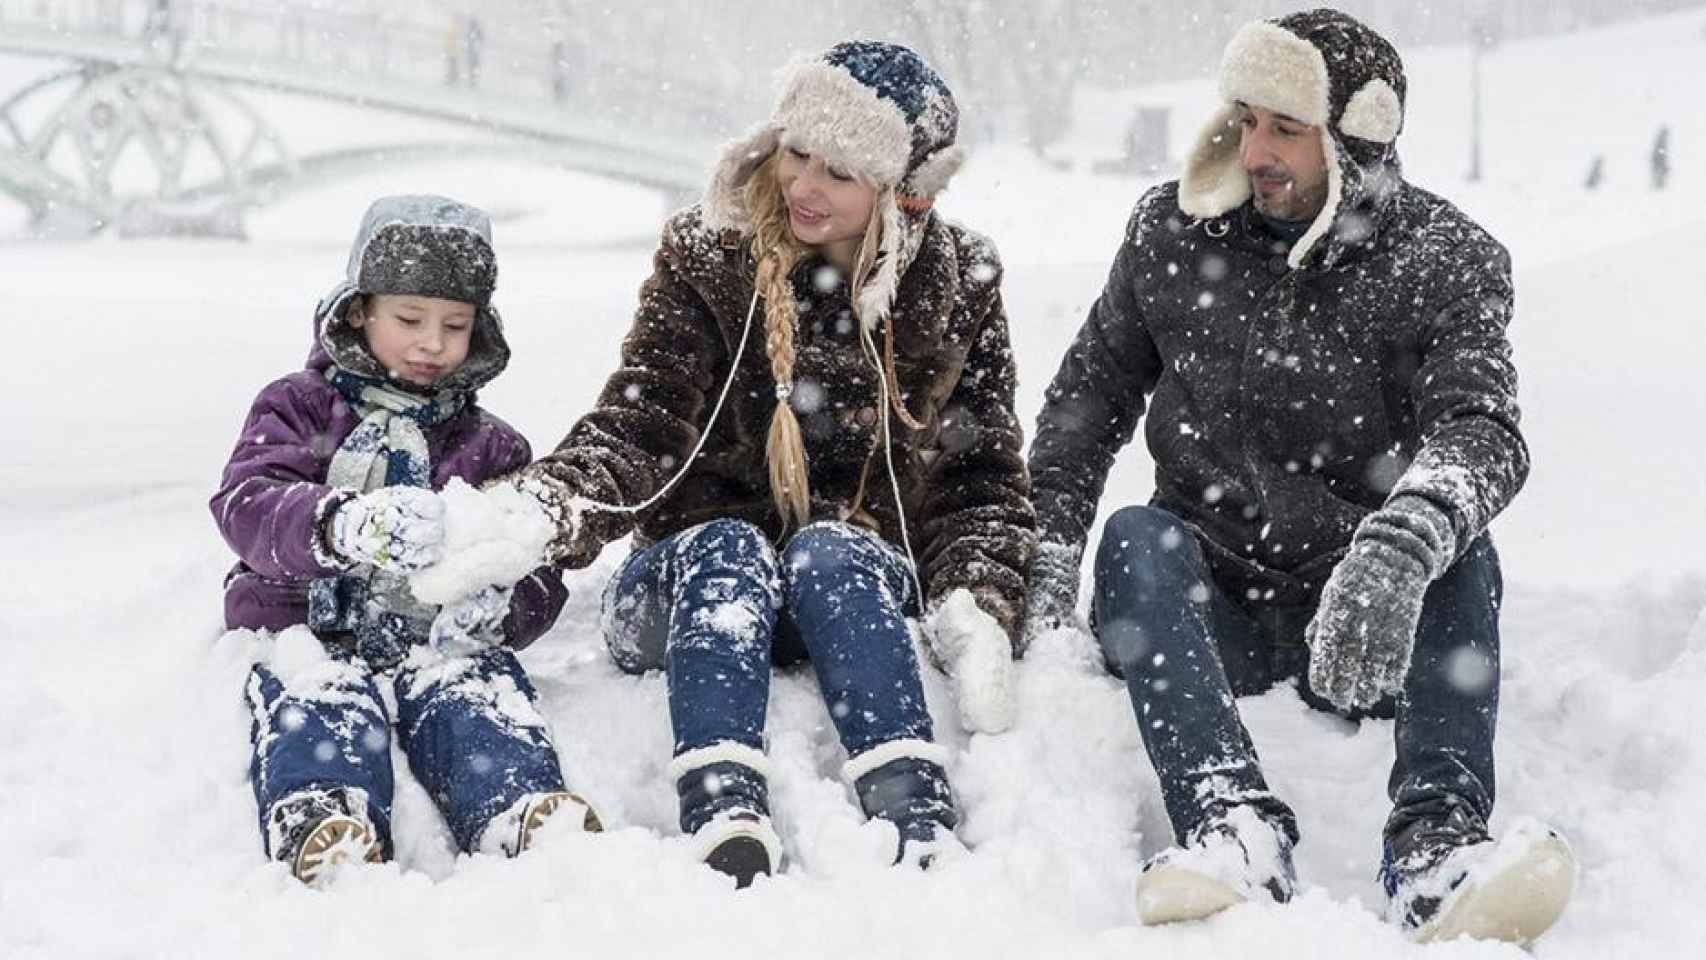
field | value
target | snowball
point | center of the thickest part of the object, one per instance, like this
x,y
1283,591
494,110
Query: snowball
x,y
492,537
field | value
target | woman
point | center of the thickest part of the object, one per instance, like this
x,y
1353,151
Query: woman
x,y
776,510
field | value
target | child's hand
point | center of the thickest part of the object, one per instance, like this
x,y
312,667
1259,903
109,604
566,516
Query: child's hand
x,y
471,624
400,529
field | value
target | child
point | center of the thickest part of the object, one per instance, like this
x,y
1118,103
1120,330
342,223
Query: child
x,y
328,503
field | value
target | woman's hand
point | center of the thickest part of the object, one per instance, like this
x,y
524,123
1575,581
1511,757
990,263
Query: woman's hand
x,y
977,655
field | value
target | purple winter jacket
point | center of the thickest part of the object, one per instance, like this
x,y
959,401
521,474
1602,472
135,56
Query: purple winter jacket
x,y
270,502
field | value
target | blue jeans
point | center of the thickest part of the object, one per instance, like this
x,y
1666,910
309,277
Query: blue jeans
x,y
1187,649
468,728
715,608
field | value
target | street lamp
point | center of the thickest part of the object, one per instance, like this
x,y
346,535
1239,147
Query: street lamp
x,y
1483,36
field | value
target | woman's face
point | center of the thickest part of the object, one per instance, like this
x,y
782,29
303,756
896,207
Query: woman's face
x,y
828,208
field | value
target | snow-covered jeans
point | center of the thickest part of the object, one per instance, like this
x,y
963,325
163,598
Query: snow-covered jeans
x,y
1186,649
715,607
468,726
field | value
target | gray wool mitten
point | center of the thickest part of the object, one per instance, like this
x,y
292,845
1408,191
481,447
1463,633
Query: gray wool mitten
x,y
1052,600
1364,630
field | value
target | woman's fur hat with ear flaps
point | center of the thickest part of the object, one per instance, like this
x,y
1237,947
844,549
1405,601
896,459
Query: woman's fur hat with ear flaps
x,y
875,110
1320,67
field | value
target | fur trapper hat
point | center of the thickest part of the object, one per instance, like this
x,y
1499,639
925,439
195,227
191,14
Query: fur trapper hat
x,y
875,110
1323,68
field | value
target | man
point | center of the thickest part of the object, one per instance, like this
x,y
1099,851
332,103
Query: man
x,y
1321,349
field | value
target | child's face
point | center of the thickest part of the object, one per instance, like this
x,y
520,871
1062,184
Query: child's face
x,y
418,339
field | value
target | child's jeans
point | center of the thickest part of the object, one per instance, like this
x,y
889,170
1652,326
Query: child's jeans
x,y
468,726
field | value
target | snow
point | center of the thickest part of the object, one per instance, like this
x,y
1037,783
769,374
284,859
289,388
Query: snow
x,y
494,536
130,829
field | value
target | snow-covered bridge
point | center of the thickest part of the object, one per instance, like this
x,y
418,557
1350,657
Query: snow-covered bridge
x,y
145,117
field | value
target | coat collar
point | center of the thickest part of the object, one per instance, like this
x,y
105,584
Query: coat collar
x,y
924,296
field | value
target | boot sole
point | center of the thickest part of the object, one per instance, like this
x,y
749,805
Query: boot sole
x,y
1516,904
336,840
742,856
547,807
1169,894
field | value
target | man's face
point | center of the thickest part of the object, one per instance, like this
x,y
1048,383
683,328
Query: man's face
x,y
1285,163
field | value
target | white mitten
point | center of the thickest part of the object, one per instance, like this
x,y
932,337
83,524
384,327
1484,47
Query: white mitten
x,y
976,654
471,624
399,529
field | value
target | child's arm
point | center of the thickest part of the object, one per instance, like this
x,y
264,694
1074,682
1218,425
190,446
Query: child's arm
x,y
534,606
272,503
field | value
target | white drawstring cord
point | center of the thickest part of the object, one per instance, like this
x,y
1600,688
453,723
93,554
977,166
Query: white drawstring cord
x,y
734,368
888,457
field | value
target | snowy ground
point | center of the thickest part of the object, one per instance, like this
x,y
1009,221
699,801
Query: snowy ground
x,y
128,827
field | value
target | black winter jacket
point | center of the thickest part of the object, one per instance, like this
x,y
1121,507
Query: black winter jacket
x,y
1286,403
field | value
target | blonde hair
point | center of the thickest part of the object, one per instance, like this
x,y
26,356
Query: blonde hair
x,y
777,253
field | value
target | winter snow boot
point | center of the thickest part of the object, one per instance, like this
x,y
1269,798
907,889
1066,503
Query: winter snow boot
x,y
1226,860
1448,878
512,831
901,782
725,807
316,830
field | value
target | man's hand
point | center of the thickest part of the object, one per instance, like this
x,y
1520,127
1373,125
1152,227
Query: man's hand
x,y
1052,599
1364,630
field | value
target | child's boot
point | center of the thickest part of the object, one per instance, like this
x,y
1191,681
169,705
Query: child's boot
x,y
513,831
315,830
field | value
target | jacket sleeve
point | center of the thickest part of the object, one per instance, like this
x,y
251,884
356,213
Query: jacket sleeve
x,y
979,527
1472,460
534,605
648,416
1092,407
537,598
272,502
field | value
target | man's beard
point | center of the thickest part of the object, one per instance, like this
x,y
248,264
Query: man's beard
x,y
1290,202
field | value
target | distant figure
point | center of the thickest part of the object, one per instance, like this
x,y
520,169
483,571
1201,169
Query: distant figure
x,y
109,15
559,70
1660,160
160,30
452,46
1596,173
474,38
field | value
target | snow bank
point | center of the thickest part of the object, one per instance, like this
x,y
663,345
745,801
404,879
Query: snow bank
x,y
130,828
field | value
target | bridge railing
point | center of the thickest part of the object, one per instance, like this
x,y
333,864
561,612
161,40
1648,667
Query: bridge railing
x,y
433,53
